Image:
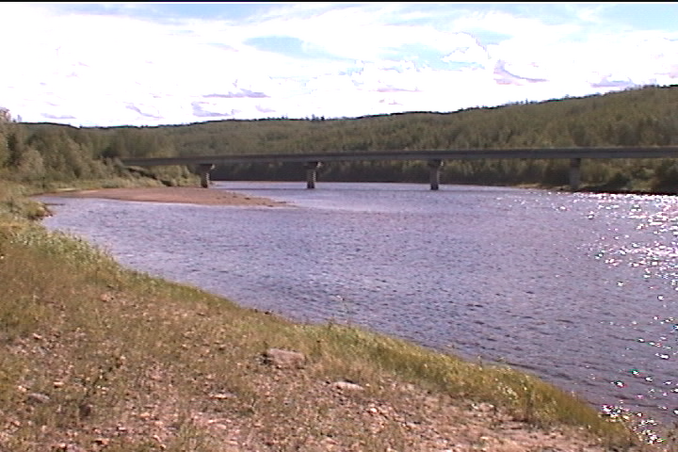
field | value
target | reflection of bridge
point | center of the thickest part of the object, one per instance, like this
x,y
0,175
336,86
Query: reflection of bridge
x,y
434,158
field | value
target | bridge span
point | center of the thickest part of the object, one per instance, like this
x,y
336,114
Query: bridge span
x,y
434,159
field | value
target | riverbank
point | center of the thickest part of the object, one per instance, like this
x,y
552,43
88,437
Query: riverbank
x,y
98,357
190,195
202,196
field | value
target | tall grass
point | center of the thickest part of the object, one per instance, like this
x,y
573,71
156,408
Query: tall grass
x,y
92,353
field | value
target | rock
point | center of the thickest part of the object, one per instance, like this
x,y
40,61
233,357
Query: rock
x,y
347,386
284,359
101,441
85,409
66,447
37,397
223,396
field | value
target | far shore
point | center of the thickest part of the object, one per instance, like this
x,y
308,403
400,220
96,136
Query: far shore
x,y
185,195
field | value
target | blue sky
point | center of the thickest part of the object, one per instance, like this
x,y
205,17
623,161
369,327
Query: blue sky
x,y
110,64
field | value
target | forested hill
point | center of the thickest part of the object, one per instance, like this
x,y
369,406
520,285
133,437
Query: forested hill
x,y
645,116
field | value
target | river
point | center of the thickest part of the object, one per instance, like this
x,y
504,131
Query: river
x,y
579,289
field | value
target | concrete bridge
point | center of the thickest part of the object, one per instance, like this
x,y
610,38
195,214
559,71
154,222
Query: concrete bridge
x,y
434,159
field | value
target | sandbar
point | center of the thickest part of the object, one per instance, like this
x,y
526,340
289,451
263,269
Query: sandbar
x,y
185,195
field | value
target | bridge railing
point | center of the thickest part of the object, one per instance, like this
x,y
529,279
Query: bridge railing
x,y
452,154
434,158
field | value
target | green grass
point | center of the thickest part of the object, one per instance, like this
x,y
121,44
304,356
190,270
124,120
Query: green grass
x,y
135,363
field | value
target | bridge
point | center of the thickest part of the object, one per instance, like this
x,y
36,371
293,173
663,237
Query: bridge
x,y
434,159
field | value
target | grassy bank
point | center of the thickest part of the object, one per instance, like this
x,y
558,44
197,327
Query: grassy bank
x,y
97,357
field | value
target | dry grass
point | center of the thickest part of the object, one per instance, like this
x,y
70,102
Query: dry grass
x,y
96,357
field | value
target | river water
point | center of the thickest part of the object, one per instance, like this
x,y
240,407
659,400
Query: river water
x,y
580,289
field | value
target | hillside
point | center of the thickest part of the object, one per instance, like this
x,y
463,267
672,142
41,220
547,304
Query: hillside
x,y
640,117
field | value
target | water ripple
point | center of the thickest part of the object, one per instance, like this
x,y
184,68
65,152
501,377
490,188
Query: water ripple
x,y
577,288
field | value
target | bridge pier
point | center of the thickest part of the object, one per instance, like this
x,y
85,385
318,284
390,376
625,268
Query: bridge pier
x,y
204,173
434,173
311,173
575,173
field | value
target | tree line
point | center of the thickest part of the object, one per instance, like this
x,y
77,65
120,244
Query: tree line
x,y
646,116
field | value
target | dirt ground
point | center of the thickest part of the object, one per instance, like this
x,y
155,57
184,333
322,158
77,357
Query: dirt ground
x,y
186,195
456,427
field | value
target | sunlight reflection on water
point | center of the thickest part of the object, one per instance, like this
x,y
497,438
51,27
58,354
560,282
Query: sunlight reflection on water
x,y
577,288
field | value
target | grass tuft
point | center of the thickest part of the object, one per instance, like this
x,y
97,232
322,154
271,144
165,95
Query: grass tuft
x,y
94,356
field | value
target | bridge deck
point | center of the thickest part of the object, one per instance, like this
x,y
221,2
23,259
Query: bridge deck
x,y
519,153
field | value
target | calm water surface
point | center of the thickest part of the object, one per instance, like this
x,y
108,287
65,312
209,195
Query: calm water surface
x,y
580,289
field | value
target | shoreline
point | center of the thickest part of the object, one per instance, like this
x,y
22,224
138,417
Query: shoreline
x,y
183,195
425,418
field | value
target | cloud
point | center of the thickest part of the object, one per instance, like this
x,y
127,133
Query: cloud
x,y
466,49
151,64
60,118
138,110
242,94
503,77
605,82
200,110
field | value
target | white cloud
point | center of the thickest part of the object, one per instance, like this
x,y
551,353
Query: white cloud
x,y
519,28
466,49
112,69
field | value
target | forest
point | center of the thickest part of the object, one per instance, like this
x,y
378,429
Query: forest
x,y
46,153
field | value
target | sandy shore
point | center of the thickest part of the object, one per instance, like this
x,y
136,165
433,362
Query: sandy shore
x,y
186,195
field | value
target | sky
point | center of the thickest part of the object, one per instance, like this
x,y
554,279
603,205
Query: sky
x,y
146,64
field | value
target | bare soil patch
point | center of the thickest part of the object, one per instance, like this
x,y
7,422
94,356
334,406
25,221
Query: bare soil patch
x,y
185,195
